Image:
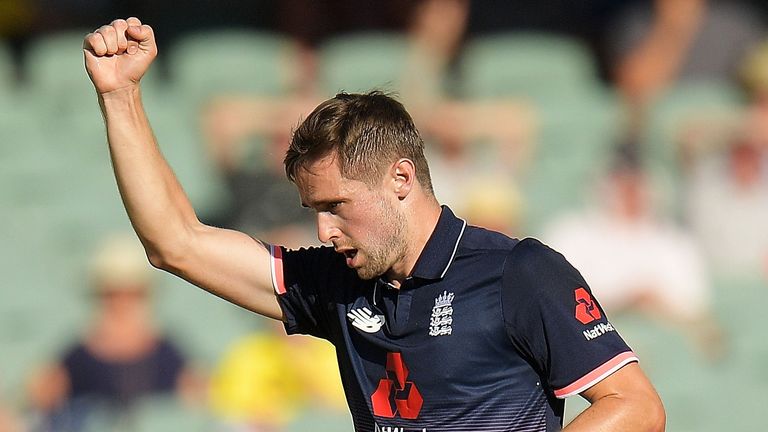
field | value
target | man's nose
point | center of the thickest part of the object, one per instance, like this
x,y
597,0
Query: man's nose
x,y
326,229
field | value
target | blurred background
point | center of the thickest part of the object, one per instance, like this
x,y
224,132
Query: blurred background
x,y
630,135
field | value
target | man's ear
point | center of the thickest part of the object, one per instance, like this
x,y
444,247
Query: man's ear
x,y
403,175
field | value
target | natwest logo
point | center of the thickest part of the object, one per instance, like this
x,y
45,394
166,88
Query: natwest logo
x,y
395,395
586,308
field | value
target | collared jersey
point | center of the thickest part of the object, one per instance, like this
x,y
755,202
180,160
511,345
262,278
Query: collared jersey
x,y
489,333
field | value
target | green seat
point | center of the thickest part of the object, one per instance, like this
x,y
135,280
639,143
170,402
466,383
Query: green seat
x,y
230,61
165,413
203,66
689,106
526,65
26,166
362,62
183,146
180,306
39,312
689,103
575,142
58,80
57,77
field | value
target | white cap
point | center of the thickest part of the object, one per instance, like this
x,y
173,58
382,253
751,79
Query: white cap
x,y
120,263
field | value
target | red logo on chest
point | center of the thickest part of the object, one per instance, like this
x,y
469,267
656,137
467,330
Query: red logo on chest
x,y
395,395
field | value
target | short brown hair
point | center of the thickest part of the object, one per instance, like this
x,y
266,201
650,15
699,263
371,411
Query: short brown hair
x,y
365,131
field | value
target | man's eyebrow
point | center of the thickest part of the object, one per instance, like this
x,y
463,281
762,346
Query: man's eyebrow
x,y
321,203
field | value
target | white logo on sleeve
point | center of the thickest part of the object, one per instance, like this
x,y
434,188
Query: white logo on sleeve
x,y
365,320
442,315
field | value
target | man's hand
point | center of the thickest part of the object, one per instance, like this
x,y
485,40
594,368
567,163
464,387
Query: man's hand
x,y
117,55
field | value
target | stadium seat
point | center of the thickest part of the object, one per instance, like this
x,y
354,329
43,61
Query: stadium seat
x,y
689,104
573,148
526,65
204,324
704,111
57,79
181,142
230,61
56,76
578,119
164,413
362,62
39,310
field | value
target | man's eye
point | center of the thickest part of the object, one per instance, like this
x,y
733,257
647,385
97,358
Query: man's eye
x,y
334,206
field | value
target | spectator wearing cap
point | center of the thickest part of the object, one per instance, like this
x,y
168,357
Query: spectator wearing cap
x,y
121,357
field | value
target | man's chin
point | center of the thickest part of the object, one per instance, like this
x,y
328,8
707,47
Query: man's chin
x,y
365,273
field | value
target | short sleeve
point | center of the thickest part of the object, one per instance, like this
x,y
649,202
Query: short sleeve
x,y
302,280
553,319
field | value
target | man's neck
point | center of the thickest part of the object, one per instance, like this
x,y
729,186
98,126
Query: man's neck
x,y
422,221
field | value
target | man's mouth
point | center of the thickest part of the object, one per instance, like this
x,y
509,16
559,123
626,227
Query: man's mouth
x,y
350,255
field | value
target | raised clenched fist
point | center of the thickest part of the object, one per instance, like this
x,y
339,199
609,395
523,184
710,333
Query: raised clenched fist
x,y
118,54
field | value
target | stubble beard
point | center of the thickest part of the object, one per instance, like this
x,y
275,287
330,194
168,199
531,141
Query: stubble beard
x,y
382,253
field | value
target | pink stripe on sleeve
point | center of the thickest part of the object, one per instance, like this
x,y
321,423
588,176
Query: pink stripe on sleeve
x,y
277,268
596,375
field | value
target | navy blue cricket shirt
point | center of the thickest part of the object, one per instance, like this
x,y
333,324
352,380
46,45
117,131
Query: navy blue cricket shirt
x,y
489,333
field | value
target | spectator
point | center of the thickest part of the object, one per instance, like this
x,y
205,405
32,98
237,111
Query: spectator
x,y
121,357
265,379
729,206
652,46
727,181
310,23
246,138
635,261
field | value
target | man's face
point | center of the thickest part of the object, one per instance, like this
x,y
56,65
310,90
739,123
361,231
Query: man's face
x,y
363,223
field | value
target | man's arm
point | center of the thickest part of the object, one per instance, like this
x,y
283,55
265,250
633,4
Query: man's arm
x,y
623,401
226,263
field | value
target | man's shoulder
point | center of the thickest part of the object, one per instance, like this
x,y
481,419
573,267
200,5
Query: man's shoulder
x,y
527,253
310,251
313,262
315,258
533,255
485,240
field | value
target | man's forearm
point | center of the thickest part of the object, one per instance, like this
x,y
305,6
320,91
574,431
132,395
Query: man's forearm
x,y
155,201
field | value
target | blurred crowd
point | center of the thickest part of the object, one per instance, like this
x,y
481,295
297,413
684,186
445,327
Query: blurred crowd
x,y
632,136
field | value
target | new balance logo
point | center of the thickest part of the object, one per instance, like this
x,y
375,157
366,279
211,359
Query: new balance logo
x,y
598,330
365,320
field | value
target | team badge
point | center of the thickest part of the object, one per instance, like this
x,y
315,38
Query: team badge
x,y
442,315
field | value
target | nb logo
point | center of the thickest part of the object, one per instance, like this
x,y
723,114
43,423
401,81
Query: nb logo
x,y
365,320
586,308
396,395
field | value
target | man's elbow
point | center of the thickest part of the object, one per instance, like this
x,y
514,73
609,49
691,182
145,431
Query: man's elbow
x,y
169,259
157,259
659,418
167,256
654,414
